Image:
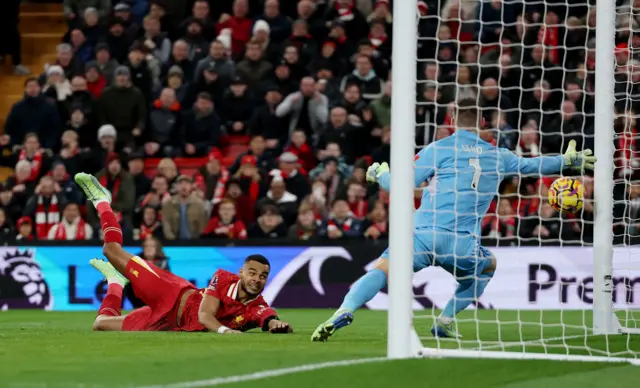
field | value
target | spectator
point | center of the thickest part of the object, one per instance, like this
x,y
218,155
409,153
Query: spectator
x,y
80,97
153,252
200,13
266,123
155,40
225,225
214,176
183,217
354,23
302,150
306,226
549,226
217,63
327,83
262,158
569,125
378,48
303,41
64,184
341,223
136,170
105,63
236,107
245,204
74,8
371,86
7,232
331,153
95,81
201,127
118,41
82,49
180,58
356,194
20,185
33,114
57,81
131,24
198,45
141,76
72,227
154,198
91,26
340,131
313,14
288,169
11,205
383,152
39,159
291,56
168,169
44,207
279,25
165,123
25,229
503,223
254,68
65,59
120,184
123,106
269,225
306,109
176,81
150,227
282,79
270,50
376,226
239,24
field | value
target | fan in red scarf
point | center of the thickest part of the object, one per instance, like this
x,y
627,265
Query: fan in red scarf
x,y
341,223
32,153
346,13
44,207
356,192
549,36
300,148
240,26
72,226
249,176
379,39
214,176
225,225
377,224
150,225
626,156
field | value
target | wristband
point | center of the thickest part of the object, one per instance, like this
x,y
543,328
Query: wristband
x,y
222,329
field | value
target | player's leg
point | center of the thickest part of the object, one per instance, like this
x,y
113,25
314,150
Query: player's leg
x,y
470,287
101,200
109,315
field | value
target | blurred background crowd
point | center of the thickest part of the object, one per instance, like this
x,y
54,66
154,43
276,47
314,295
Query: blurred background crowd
x,y
257,119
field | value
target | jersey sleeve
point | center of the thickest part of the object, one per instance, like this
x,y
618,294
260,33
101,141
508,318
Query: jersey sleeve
x,y
424,167
219,283
541,165
261,313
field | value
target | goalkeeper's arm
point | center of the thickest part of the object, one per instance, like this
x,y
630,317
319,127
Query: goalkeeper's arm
x,y
543,165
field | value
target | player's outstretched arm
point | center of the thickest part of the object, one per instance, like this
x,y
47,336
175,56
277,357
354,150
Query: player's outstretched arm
x,y
543,165
207,316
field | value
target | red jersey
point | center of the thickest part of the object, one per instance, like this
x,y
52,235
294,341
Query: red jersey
x,y
224,285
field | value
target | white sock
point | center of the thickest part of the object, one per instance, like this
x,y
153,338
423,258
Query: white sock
x,y
445,320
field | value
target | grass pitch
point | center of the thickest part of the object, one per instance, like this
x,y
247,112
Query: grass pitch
x,y
51,349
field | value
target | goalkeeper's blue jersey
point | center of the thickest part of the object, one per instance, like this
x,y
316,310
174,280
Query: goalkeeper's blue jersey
x,y
464,174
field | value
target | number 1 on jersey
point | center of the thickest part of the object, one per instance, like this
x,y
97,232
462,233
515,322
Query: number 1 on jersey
x,y
477,171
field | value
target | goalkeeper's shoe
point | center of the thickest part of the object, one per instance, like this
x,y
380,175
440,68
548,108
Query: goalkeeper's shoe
x,y
339,320
442,330
579,159
94,191
109,272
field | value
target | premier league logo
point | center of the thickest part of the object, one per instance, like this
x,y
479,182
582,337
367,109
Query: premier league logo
x,y
22,285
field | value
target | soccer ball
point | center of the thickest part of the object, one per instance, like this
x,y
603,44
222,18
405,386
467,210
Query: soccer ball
x,y
566,195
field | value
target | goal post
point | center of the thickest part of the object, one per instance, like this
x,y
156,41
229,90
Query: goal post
x,y
403,107
496,326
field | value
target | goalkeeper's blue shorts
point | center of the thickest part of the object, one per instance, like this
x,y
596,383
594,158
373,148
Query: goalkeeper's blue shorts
x,y
459,254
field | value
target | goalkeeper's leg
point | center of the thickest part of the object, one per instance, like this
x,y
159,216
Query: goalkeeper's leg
x,y
360,293
470,288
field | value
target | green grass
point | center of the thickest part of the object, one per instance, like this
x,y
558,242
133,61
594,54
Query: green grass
x,y
60,350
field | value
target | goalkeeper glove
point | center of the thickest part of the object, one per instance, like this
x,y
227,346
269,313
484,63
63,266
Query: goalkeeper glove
x,y
375,170
579,159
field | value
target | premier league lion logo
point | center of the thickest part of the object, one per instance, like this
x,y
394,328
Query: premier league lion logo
x,y
22,285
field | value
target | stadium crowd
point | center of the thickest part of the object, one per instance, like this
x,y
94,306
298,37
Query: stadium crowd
x,y
308,84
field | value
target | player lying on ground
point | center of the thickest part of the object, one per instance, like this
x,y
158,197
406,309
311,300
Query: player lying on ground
x,y
464,173
230,304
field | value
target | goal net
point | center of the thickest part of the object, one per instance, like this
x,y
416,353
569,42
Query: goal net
x,y
567,286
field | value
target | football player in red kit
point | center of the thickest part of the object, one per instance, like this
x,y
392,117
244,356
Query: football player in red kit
x,y
230,304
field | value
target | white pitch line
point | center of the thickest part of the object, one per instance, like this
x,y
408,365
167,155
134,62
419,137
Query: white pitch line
x,y
267,373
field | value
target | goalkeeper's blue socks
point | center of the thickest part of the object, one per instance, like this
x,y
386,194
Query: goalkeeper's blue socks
x,y
468,290
364,290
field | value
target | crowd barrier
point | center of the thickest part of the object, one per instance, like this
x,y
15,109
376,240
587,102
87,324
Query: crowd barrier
x,y
60,278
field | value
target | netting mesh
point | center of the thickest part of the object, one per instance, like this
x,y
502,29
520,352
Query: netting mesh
x,y
531,69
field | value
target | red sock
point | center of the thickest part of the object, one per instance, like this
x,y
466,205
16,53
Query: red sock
x,y
112,302
110,225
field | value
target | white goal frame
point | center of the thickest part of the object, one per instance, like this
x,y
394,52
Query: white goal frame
x,y
403,341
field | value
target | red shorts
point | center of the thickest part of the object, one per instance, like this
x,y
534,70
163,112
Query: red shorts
x,y
160,290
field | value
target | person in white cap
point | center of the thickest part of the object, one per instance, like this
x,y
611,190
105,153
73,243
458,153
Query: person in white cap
x,y
57,79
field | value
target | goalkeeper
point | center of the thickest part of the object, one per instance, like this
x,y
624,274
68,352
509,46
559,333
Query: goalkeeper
x,y
464,174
